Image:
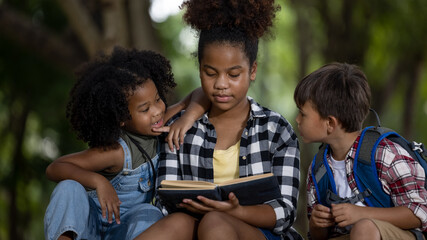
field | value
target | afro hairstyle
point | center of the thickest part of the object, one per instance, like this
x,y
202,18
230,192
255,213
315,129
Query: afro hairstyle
x,y
237,22
98,101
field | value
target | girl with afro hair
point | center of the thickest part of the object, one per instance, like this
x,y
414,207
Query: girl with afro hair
x,y
117,107
236,138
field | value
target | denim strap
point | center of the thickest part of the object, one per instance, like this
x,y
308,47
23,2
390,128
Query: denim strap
x,y
127,165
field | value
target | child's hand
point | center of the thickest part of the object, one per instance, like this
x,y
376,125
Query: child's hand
x,y
321,217
176,131
109,201
207,205
346,214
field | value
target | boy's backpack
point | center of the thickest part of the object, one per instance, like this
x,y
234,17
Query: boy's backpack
x,y
365,171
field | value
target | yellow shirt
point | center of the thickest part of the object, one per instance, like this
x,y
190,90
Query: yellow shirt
x,y
226,163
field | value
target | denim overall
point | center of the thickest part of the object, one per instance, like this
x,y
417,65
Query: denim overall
x,y
72,208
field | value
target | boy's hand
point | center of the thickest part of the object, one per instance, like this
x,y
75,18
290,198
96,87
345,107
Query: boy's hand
x,y
176,131
109,201
321,217
346,214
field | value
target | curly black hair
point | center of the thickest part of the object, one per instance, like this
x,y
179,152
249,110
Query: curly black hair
x,y
237,22
99,99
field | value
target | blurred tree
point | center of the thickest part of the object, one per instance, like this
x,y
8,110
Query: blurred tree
x,y
349,32
42,41
92,27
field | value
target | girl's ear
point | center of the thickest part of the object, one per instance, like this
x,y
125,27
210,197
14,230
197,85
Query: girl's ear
x,y
122,124
253,71
332,123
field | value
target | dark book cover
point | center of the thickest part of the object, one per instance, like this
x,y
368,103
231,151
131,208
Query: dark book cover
x,y
249,190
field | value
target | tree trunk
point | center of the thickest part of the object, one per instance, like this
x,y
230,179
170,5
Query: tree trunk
x,y
347,38
304,36
19,120
124,22
143,34
414,77
115,24
381,95
82,24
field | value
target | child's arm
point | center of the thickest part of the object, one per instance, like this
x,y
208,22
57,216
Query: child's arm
x,y
195,105
82,167
405,179
346,214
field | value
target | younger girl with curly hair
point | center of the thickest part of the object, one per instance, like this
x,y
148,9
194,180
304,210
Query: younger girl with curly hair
x,y
105,192
237,137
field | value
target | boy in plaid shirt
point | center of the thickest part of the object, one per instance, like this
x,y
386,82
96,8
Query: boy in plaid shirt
x,y
333,102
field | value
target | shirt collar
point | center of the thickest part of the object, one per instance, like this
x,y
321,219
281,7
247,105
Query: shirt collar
x,y
352,153
256,110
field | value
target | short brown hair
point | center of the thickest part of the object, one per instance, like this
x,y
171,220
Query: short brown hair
x,y
337,89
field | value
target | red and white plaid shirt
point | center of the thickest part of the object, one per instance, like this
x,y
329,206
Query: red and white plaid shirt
x,y
400,175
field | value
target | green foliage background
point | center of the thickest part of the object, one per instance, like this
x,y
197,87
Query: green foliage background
x,y
386,38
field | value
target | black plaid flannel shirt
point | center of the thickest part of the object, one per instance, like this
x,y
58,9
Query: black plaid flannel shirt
x,y
268,144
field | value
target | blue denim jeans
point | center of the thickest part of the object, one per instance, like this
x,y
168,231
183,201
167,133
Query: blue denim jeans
x,y
72,208
269,235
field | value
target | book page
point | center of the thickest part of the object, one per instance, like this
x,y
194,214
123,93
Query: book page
x,y
185,184
188,188
245,179
188,184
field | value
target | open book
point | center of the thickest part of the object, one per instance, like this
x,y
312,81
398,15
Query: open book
x,y
249,190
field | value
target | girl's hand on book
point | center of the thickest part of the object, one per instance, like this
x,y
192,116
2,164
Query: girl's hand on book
x,y
207,205
194,206
202,206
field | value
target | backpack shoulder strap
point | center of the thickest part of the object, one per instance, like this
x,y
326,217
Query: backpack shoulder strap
x,y
365,171
368,138
318,167
322,176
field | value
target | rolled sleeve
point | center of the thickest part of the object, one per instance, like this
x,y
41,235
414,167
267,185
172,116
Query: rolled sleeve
x,y
286,164
404,177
